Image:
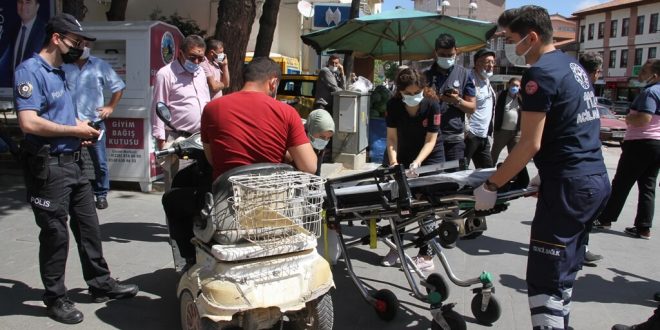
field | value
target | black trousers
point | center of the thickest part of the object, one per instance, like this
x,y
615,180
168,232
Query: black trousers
x,y
639,162
477,149
65,192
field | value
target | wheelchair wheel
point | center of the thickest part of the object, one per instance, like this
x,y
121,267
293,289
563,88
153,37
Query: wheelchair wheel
x,y
448,234
492,312
386,304
440,285
453,319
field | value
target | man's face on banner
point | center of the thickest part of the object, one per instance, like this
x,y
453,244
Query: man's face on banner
x,y
27,9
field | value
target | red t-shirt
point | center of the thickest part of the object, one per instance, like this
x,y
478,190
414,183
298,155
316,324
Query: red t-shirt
x,y
249,127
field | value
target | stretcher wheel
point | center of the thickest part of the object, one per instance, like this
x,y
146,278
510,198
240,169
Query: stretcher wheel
x,y
492,312
386,304
453,319
448,234
440,285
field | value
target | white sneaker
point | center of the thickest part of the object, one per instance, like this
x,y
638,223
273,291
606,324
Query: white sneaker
x,y
423,264
390,259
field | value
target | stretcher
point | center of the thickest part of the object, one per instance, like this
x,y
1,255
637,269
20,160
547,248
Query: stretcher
x,y
440,206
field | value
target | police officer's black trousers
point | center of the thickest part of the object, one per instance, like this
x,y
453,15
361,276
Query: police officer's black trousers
x,y
66,191
565,210
639,162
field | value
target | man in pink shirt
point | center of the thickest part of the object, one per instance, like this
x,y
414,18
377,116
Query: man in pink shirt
x,y
182,86
215,67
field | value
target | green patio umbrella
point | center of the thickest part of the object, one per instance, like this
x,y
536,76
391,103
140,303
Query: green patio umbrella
x,y
399,34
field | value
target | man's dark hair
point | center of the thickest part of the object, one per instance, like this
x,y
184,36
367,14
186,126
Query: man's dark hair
x,y
591,61
445,41
332,58
261,69
213,44
526,19
191,41
513,79
655,65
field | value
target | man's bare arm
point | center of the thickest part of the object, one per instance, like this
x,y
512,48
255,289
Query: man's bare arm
x,y
304,157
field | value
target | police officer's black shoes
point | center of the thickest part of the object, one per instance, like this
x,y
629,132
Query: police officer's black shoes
x,y
101,203
644,233
63,310
602,225
118,291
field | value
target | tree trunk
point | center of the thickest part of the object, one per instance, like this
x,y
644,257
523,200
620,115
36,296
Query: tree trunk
x,y
117,11
348,57
76,8
267,24
235,18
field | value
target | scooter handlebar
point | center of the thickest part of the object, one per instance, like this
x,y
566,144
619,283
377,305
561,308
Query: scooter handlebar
x,y
164,152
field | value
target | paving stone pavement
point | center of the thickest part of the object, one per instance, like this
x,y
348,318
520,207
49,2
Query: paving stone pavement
x,y
619,290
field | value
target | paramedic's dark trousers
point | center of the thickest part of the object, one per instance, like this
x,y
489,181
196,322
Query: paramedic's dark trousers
x,y
66,191
564,211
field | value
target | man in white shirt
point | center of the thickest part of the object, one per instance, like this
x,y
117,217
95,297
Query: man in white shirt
x,y
477,144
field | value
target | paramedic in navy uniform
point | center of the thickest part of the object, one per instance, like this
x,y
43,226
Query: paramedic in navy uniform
x,y
560,130
56,185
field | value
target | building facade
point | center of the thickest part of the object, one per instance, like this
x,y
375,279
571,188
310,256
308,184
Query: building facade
x,y
625,33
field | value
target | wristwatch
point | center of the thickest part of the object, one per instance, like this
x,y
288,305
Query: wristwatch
x,y
490,186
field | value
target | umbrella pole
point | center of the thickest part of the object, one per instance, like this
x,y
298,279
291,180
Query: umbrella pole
x,y
399,42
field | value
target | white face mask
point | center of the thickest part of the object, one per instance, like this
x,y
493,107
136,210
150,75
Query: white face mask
x,y
85,54
512,56
319,144
486,74
413,100
190,66
220,57
334,69
446,62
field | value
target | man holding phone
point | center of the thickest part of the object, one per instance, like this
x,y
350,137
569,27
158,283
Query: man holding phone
x,y
87,78
455,88
215,67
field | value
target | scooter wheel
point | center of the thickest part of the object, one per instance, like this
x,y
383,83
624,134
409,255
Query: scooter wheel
x,y
492,312
318,315
440,285
190,318
453,319
386,304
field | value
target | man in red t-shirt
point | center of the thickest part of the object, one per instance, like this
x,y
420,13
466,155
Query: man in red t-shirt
x,y
250,126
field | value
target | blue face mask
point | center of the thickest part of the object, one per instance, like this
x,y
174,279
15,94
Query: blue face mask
x,y
413,100
319,144
190,66
446,62
514,90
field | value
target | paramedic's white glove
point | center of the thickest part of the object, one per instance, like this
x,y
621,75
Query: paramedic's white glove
x,y
484,199
412,170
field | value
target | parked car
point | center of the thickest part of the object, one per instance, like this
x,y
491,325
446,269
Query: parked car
x,y
298,90
611,127
605,102
621,107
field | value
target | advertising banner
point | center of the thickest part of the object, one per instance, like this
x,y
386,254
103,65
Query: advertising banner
x,y
35,15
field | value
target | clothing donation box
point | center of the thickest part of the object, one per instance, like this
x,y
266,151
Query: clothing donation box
x,y
136,50
351,116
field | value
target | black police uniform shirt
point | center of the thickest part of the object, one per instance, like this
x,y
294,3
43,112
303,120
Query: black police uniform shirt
x,y
411,131
560,87
41,87
453,118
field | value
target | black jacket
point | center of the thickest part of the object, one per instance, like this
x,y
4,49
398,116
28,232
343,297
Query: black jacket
x,y
499,109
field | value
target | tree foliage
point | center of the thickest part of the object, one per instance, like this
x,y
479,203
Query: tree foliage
x,y
187,26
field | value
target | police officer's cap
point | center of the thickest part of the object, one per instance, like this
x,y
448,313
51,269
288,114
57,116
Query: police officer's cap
x,y
483,52
65,23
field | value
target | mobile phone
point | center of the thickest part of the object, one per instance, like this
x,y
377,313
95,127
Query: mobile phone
x,y
221,57
449,91
96,124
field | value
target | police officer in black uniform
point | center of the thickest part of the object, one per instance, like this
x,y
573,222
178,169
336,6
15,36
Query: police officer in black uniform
x,y
56,185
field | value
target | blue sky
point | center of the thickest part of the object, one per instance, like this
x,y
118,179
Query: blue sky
x,y
562,7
